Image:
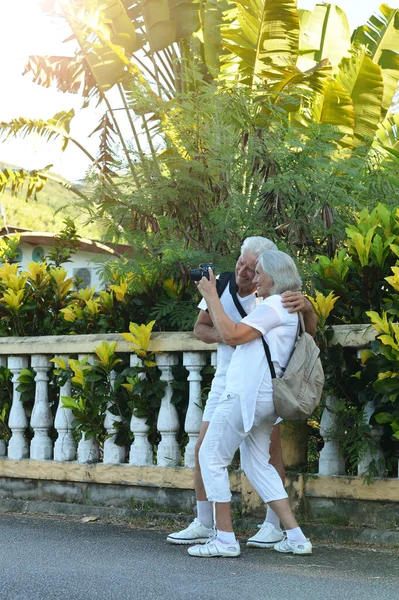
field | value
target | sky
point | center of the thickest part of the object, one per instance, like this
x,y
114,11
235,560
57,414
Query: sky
x,y
36,34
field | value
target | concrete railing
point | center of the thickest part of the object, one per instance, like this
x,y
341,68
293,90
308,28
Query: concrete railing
x,y
36,352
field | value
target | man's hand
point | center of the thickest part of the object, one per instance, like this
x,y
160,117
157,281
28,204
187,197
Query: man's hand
x,y
296,301
204,329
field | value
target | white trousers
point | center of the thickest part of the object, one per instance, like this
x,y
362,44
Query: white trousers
x,y
225,435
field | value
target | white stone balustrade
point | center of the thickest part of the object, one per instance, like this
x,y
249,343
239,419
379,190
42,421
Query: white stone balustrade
x,y
194,362
41,447
113,454
65,445
3,445
373,455
18,353
18,447
88,448
331,461
141,453
168,420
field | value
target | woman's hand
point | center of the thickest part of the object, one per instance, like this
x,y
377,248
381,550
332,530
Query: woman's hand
x,y
207,287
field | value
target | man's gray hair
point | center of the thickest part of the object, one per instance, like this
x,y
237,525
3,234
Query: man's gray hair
x,y
256,245
281,268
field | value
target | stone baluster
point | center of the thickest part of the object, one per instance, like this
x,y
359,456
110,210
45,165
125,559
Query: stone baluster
x,y
193,361
3,445
141,453
168,421
65,445
331,461
41,446
372,454
113,454
88,449
18,446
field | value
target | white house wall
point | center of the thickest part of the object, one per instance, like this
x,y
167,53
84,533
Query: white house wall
x,y
81,259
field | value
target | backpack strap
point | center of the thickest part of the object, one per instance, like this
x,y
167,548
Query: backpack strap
x,y
223,280
233,292
300,331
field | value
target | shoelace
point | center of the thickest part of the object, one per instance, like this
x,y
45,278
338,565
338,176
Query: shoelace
x,y
212,538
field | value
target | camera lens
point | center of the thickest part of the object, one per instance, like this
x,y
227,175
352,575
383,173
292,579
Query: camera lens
x,y
196,274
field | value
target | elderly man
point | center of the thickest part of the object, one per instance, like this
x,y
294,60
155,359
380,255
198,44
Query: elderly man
x,y
240,289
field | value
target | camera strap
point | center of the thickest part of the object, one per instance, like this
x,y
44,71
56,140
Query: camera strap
x,y
222,281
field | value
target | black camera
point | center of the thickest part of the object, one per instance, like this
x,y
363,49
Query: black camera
x,y
202,271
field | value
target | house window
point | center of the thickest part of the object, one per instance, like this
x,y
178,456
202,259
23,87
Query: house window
x,y
17,256
82,277
38,254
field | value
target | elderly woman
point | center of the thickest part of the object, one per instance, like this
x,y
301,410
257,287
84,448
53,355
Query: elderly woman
x,y
245,415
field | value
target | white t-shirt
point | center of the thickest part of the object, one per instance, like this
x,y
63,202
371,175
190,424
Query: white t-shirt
x,y
224,352
248,374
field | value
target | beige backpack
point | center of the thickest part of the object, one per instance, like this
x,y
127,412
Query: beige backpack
x,y
298,391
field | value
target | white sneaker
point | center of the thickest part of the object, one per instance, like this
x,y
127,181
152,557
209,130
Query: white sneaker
x,y
214,548
267,536
195,533
294,547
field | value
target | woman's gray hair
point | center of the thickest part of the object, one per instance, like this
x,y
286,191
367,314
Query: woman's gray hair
x,y
281,268
256,245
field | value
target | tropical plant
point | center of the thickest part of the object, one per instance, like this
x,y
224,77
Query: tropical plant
x,y
93,390
154,51
350,430
357,274
107,384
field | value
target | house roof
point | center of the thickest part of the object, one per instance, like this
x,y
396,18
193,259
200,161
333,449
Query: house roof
x,y
43,238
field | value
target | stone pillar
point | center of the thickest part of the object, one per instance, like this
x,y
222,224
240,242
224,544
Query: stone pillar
x,y
168,421
41,446
141,453
193,361
88,449
3,445
373,454
331,461
65,446
113,454
18,447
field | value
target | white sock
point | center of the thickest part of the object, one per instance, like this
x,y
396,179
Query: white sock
x,y
272,518
296,535
226,537
204,513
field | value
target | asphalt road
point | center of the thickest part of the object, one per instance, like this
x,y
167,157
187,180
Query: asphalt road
x,y
48,558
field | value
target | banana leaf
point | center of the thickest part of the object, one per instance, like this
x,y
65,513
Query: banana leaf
x,y
260,31
335,107
324,33
381,37
387,135
362,78
186,15
105,20
160,28
211,18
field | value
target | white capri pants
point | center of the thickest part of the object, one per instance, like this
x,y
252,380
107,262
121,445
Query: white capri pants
x,y
224,435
